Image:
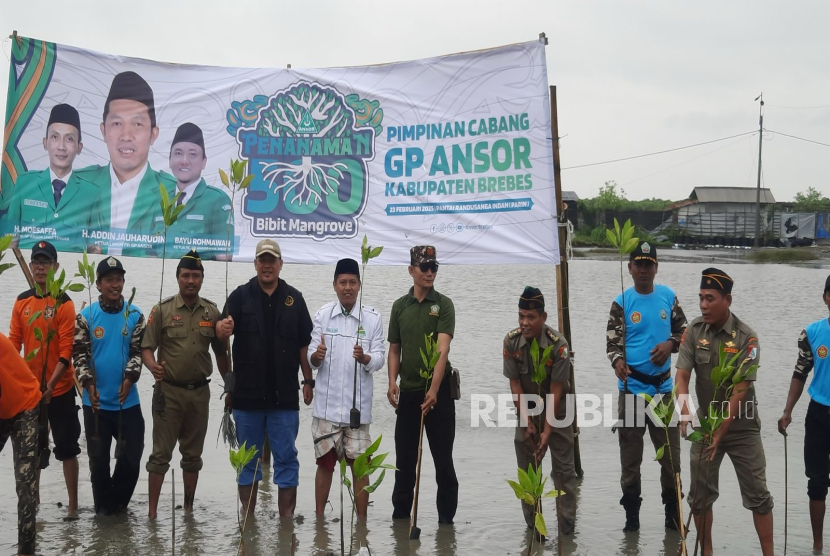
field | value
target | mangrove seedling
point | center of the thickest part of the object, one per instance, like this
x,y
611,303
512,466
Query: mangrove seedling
x,y
362,468
121,444
530,489
367,252
624,241
430,356
664,412
55,289
239,459
86,271
5,243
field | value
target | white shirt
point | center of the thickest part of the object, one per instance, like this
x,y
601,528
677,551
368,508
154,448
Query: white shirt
x,y
188,191
335,376
122,199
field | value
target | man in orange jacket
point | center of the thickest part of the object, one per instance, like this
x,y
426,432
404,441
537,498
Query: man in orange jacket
x,y
58,386
19,398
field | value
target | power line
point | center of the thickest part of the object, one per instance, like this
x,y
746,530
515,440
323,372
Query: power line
x,y
798,107
799,138
659,152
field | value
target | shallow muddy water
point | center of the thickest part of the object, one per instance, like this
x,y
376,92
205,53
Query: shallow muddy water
x,y
778,301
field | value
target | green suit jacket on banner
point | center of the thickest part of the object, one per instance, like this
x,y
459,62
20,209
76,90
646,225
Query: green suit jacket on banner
x,y
33,215
202,224
145,209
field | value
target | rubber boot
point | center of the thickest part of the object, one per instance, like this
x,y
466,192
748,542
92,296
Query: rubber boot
x,y
632,518
671,516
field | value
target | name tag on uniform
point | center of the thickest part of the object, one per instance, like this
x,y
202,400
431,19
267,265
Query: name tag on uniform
x,y
206,323
330,330
35,203
195,217
159,219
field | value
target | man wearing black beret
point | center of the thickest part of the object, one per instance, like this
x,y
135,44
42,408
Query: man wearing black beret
x,y
207,210
548,430
56,204
739,435
181,328
129,186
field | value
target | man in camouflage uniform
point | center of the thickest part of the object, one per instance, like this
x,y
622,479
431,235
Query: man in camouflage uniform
x,y
182,328
739,435
654,324
533,438
19,403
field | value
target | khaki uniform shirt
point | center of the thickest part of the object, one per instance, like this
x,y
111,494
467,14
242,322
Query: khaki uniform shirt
x,y
182,337
700,350
518,363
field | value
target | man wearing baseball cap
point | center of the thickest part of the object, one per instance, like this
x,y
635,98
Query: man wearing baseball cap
x,y
644,328
814,354
57,202
422,311
58,398
129,186
207,210
272,330
718,330
107,357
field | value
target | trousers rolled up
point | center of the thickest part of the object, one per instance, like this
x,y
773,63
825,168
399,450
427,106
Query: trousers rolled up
x,y
22,428
630,435
439,425
112,489
561,448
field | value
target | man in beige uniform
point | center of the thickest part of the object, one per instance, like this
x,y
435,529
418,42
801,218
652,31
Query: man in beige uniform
x,y
181,328
532,441
739,436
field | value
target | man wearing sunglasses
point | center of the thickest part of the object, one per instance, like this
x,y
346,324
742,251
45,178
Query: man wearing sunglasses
x,y
645,327
422,311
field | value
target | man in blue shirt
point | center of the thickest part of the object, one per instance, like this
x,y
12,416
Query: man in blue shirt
x,y
813,346
107,356
645,327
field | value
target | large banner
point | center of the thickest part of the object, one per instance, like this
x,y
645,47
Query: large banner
x,y
453,151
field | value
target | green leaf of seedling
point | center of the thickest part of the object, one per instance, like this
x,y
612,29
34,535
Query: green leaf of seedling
x,y
34,317
554,493
524,480
75,288
238,171
5,266
659,454
165,197
224,177
38,334
31,355
546,355
631,245
371,488
5,242
646,397
695,436
534,352
246,182
424,357
375,463
612,239
434,361
617,228
375,252
343,467
50,335
373,448
517,489
540,525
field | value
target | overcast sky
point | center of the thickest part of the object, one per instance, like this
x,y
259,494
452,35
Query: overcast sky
x,y
632,77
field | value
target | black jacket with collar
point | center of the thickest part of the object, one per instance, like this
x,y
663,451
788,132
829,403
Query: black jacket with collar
x,y
292,328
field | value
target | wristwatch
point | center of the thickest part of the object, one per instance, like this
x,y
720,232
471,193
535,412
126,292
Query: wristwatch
x,y
309,381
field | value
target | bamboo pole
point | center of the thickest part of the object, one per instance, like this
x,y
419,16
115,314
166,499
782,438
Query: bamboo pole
x,y
562,290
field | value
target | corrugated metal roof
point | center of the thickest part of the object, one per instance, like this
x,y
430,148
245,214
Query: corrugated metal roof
x,y
569,196
730,195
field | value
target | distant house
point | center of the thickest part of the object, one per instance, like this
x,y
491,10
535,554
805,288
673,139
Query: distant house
x,y
721,214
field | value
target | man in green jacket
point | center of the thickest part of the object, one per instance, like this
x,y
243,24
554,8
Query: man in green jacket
x,y
55,204
203,223
129,186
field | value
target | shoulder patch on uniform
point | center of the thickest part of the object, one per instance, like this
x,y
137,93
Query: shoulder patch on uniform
x,y
551,336
167,300
370,309
514,333
209,301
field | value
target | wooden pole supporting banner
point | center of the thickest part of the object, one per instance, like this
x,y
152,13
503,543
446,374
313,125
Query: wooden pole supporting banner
x,y
562,293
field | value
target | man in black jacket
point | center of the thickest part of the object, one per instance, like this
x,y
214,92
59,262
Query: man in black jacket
x,y
273,330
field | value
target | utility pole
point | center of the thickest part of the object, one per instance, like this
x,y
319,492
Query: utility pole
x,y
758,188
